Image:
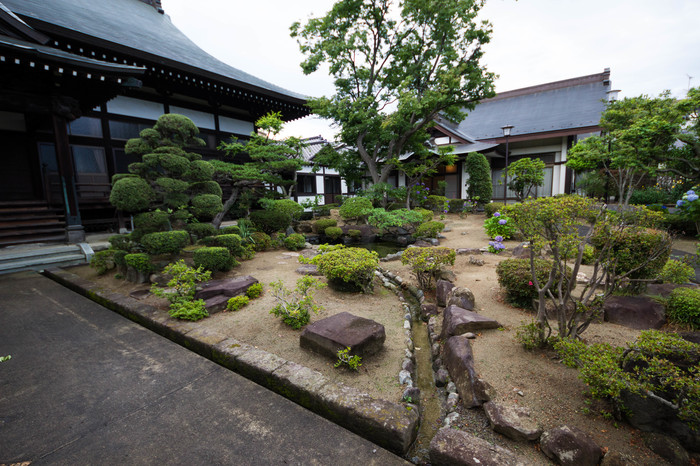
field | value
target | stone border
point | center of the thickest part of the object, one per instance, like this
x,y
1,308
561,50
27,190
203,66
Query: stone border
x,y
389,425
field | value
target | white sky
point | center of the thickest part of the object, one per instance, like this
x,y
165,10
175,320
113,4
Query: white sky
x,y
649,45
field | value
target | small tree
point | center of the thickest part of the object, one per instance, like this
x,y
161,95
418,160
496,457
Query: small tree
x,y
479,185
526,173
552,225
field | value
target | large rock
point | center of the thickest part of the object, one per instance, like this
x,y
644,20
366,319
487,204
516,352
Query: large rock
x,y
442,290
461,296
666,447
427,310
639,312
326,336
567,445
512,421
216,303
228,287
452,447
457,321
665,289
459,361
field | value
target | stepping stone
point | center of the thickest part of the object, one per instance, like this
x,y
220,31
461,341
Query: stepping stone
x,y
216,303
326,336
309,269
512,421
457,321
568,445
228,286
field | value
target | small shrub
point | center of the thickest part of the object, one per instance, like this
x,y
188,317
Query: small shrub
x,y
456,205
237,302
492,207
295,306
429,229
322,224
344,358
652,195
515,277
426,215
270,221
499,225
214,259
189,310
437,203
588,255
289,207
139,261
103,261
684,306
201,230
261,241
295,241
165,242
529,336
404,218
254,291
426,263
231,242
206,206
348,268
676,272
183,284
333,232
119,260
122,243
131,194
230,230
356,208
150,222
354,234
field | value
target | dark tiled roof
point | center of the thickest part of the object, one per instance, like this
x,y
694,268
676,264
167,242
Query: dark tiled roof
x,y
569,104
138,26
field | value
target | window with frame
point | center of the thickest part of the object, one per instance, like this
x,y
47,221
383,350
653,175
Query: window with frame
x,y
306,184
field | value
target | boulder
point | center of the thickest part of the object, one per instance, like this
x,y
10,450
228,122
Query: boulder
x,y
615,458
442,289
427,310
326,336
521,251
216,303
476,261
468,251
461,296
639,312
455,448
309,269
459,361
665,289
457,321
139,294
447,275
666,447
567,445
228,286
512,421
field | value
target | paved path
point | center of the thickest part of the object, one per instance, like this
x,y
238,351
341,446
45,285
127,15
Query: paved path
x,y
87,386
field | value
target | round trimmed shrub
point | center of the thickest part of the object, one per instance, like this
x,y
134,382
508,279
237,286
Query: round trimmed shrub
x,y
214,259
295,241
121,242
492,207
165,242
515,277
333,232
206,206
426,215
230,230
354,234
684,306
429,229
289,207
676,272
200,170
201,230
436,203
322,224
348,268
131,194
150,222
261,241
206,187
270,221
139,261
230,242
355,208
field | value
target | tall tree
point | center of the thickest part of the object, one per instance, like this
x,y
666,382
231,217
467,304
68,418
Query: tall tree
x,y
397,66
684,160
526,173
479,184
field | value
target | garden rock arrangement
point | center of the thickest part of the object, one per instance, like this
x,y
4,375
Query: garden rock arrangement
x,y
457,321
570,446
452,447
216,293
327,336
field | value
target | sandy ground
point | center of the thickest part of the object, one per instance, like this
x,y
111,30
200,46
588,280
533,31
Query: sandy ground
x,y
552,392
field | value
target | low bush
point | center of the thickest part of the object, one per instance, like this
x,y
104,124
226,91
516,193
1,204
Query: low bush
x,y
437,203
429,229
427,263
322,224
165,242
183,284
254,291
214,259
150,222
237,302
356,208
653,195
529,336
288,207
676,272
355,234
348,268
295,241
499,225
231,242
261,241
295,306
515,277
189,310
122,243
333,232
492,207
102,261
230,230
426,215
201,230
403,218
684,307
139,261
456,205
270,221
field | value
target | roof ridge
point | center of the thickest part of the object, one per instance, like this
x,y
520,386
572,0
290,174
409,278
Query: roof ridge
x,y
603,77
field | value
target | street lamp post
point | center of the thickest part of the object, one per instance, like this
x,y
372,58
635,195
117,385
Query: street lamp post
x,y
506,133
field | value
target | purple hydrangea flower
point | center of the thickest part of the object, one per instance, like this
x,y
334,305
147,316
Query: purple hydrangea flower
x,y
497,214
502,221
498,238
690,191
692,197
680,202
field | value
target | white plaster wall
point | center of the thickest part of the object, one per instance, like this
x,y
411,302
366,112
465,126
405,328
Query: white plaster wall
x,y
201,119
234,126
129,106
465,178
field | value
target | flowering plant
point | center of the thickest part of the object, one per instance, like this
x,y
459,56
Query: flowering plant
x,y
689,206
499,225
496,246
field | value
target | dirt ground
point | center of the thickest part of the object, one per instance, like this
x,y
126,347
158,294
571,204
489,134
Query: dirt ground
x,y
552,392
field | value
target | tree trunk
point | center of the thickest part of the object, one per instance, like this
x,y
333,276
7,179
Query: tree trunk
x,y
227,205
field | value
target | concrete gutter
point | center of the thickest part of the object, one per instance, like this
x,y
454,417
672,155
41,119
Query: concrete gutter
x,y
389,425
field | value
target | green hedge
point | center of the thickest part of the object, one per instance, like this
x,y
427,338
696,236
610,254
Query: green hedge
x,y
515,277
214,259
165,242
270,221
429,229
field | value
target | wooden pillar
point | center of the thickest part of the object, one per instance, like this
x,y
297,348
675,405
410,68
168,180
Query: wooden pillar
x,y
75,233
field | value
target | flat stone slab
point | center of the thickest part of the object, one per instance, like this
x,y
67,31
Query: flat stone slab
x,y
459,361
512,421
229,287
309,269
458,321
456,448
326,336
639,312
568,445
216,303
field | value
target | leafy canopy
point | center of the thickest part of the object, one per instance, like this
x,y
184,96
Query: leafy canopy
x,y
397,66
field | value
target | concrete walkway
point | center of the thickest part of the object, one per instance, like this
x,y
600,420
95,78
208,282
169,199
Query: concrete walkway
x,y
87,386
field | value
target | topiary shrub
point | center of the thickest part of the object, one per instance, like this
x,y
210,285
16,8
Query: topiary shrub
x,y
355,234
349,269
295,241
140,262
333,232
206,206
515,277
102,261
122,243
270,221
426,263
150,222
676,272
437,203
355,208
289,207
165,242
426,215
131,194
229,230
684,307
231,242
201,230
214,259
261,241
429,229
322,224
479,184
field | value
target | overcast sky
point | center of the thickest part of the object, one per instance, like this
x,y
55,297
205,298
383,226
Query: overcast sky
x,y
649,45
